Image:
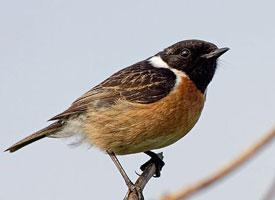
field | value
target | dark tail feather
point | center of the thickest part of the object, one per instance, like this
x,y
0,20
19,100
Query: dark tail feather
x,y
49,130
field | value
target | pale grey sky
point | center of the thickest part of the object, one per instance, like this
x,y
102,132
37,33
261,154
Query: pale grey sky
x,y
51,52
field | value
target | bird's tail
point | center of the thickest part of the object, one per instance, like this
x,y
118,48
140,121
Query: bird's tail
x,y
49,130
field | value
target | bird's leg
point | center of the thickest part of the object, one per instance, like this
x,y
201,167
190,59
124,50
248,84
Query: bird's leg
x,y
155,159
127,180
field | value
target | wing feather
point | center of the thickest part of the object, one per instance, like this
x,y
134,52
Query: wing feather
x,y
139,83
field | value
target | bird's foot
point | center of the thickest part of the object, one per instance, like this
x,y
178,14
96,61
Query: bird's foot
x,y
155,159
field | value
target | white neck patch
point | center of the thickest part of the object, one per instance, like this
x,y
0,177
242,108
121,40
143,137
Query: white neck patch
x,y
156,61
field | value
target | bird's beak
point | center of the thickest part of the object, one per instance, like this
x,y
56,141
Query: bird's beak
x,y
216,53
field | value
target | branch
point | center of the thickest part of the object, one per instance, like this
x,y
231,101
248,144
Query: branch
x,y
141,182
223,171
271,192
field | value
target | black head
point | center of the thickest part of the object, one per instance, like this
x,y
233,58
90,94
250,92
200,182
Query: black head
x,y
197,58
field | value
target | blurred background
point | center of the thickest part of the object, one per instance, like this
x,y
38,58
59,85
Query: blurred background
x,y
51,52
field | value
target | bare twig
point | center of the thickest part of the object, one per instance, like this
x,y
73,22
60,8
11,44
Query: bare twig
x,y
224,171
271,191
141,182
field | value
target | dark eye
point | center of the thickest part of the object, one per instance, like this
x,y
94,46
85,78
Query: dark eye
x,y
185,53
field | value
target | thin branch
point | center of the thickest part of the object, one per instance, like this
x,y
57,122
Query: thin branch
x,y
141,182
224,171
271,191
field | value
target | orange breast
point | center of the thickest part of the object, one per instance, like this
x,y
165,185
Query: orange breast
x,y
131,128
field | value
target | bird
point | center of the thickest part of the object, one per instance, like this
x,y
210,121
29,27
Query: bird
x,y
146,106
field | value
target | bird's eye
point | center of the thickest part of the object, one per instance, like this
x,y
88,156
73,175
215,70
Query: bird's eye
x,y
185,53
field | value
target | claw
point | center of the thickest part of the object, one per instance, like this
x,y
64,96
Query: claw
x,y
137,173
154,160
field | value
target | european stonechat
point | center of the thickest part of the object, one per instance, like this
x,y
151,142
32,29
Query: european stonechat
x,y
148,105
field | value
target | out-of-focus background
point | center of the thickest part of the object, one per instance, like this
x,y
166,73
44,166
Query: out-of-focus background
x,y
51,52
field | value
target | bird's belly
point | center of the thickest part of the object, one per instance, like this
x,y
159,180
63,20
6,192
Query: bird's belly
x,y
127,128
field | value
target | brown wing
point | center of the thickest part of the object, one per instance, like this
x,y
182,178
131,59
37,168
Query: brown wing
x,y
139,83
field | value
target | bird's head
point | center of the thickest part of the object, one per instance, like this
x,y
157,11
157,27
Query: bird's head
x,y
196,58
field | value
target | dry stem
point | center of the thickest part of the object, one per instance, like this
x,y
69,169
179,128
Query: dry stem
x,y
223,171
141,182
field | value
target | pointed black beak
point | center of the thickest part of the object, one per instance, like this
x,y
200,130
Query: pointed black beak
x,y
216,53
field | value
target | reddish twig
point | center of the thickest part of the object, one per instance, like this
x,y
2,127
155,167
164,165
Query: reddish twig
x,y
223,171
